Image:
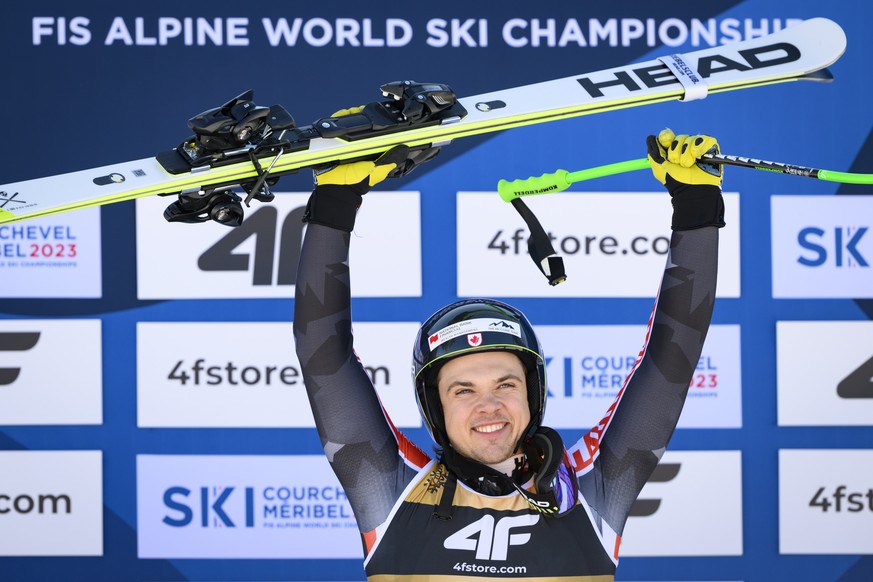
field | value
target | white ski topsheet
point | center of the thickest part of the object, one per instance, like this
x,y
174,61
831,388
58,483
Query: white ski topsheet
x,y
786,55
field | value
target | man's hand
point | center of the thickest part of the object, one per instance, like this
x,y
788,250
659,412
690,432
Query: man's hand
x,y
396,162
695,187
678,156
340,187
363,175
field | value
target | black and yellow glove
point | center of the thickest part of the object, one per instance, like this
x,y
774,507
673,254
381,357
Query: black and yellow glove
x,y
695,187
339,188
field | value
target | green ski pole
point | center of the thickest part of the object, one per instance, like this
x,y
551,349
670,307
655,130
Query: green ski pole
x,y
561,179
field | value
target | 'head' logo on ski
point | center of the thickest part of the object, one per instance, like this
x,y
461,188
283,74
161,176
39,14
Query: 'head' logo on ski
x,y
652,76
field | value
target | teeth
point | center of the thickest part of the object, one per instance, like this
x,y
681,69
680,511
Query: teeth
x,y
490,427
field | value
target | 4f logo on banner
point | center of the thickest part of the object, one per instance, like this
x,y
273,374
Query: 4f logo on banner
x,y
663,473
491,538
262,227
858,384
15,341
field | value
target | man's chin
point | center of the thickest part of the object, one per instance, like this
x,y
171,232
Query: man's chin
x,y
491,459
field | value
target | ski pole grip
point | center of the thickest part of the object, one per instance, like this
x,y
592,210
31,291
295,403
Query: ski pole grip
x,y
845,177
545,184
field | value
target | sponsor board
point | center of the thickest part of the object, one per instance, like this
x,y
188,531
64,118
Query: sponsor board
x,y
603,256
587,365
50,372
51,503
825,501
259,258
824,373
691,506
233,507
822,246
52,257
248,375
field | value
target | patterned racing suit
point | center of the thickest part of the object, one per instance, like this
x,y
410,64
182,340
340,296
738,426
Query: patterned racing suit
x,y
393,486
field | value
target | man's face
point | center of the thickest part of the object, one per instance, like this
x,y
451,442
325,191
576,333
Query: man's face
x,y
484,398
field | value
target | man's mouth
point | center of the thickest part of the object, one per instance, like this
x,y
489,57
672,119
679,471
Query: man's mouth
x,y
487,428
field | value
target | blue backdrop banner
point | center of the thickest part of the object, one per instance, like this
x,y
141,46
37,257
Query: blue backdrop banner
x,y
153,419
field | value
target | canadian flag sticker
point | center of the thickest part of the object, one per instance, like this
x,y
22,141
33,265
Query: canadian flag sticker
x,y
474,339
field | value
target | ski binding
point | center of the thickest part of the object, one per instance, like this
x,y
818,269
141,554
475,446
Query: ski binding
x,y
241,130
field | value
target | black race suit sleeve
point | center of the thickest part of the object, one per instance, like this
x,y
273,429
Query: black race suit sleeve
x,y
634,436
358,439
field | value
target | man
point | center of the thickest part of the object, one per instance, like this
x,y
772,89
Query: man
x,y
504,498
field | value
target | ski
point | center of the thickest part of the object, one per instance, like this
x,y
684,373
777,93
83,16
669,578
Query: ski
x,y
243,145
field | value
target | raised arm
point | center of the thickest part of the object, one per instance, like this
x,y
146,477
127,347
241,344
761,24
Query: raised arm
x,y
364,450
630,440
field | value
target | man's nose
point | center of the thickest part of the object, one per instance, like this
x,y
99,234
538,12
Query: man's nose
x,y
488,402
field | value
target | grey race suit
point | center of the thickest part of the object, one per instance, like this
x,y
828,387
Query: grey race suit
x,y
393,486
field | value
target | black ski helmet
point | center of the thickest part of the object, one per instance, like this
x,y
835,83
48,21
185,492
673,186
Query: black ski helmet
x,y
470,326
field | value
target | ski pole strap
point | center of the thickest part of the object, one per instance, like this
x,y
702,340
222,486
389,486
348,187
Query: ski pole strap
x,y
694,85
540,246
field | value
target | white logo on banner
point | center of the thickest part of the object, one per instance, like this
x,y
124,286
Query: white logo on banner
x,y
822,246
825,501
259,258
52,257
50,372
51,503
242,507
587,365
691,507
248,375
824,373
607,251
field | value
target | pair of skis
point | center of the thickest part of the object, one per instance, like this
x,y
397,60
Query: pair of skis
x,y
243,145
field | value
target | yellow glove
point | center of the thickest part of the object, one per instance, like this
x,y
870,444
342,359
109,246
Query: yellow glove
x,y
340,187
679,157
694,187
364,174
354,173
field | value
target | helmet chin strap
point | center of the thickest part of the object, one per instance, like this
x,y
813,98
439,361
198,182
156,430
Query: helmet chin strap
x,y
543,456
481,477
510,465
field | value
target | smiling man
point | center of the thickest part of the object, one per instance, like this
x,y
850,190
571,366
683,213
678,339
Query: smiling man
x,y
484,401
503,498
